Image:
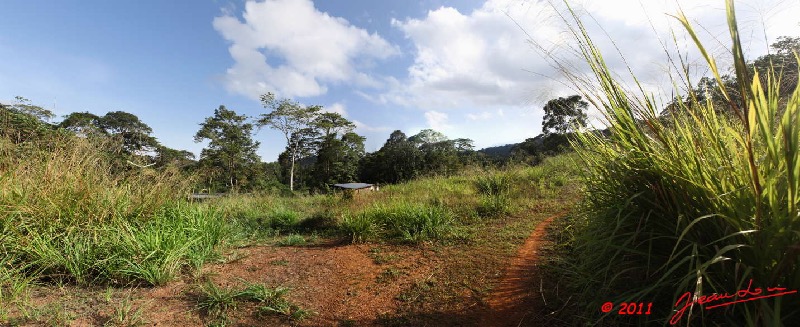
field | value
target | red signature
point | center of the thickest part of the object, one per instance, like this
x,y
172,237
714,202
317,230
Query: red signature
x,y
742,295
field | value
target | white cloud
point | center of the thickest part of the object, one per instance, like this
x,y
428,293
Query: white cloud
x,y
492,56
363,128
337,108
290,48
481,116
490,64
437,120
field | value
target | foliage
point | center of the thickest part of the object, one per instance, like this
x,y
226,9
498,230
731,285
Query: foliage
x,y
216,302
133,133
230,158
701,202
564,115
427,153
65,215
20,126
401,221
337,160
295,122
24,106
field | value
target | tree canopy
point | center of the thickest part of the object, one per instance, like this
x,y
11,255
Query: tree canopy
x,y
564,115
230,155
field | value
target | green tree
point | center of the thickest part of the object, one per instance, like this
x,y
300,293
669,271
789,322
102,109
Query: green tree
x,y
564,115
168,156
782,62
398,160
82,123
337,159
24,106
21,125
134,134
331,123
231,152
296,124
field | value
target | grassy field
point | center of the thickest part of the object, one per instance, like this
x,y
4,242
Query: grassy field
x,y
78,237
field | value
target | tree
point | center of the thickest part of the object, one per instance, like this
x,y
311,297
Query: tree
x,y
294,121
564,115
168,156
82,123
331,123
398,160
231,151
132,132
21,125
782,62
24,106
337,159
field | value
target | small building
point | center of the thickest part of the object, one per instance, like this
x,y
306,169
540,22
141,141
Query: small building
x,y
357,187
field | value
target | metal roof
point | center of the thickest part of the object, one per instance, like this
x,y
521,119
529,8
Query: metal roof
x,y
353,185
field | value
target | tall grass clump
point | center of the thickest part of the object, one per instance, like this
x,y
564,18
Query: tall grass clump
x,y
402,221
701,200
494,199
70,213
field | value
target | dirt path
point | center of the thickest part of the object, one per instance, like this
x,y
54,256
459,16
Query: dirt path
x,y
516,299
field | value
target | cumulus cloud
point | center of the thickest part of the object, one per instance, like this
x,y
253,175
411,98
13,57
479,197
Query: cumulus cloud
x,y
337,108
291,48
437,120
495,55
494,64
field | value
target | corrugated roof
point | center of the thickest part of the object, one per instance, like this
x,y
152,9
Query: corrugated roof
x,y
353,185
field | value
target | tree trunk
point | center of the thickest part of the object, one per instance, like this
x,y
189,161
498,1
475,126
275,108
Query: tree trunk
x,y
291,175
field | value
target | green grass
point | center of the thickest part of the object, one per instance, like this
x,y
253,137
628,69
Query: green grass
x,y
69,215
292,240
701,201
216,303
400,221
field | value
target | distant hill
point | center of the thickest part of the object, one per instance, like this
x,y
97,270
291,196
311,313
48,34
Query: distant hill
x,y
502,151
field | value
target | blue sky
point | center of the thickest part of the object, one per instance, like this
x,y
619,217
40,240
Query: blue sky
x,y
467,68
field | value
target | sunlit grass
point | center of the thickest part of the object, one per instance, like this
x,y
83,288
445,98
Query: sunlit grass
x,y
702,200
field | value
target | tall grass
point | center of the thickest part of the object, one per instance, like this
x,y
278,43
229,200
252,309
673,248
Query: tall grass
x,y
68,215
400,221
699,201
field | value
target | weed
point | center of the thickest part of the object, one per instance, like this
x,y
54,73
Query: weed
x,y
215,302
388,275
700,199
379,258
126,315
493,184
494,206
292,240
279,262
359,228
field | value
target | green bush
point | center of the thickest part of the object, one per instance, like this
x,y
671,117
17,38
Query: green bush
x,y
284,219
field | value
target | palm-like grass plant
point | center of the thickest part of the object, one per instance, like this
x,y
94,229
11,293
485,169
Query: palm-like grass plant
x,y
702,199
